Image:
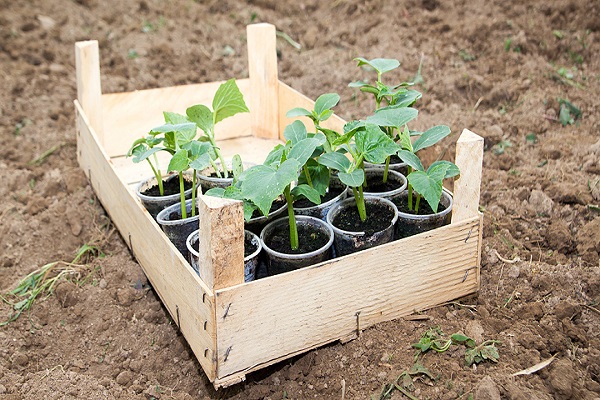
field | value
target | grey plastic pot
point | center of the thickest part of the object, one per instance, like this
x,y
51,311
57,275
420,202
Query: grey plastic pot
x,y
250,261
155,204
278,262
347,242
320,210
393,177
177,229
412,224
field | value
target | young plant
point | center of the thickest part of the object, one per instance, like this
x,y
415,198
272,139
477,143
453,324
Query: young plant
x,y
423,182
228,101
370,144
262,184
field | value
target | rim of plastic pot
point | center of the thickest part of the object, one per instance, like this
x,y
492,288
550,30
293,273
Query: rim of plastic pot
x,y
167,177
161,218
445,195
326,204
272,215
205,174
258,241
299,218
389,193
334,210
192,237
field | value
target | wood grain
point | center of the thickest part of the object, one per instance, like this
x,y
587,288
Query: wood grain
x,y
469,159
89,89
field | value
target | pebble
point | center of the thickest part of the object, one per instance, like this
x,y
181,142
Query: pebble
x,y
474,330
561,378
514,272
487,389
2,389
541,202
124,378
102,284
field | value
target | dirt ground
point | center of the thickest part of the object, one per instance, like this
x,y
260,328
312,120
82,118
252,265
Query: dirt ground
x,y
498,68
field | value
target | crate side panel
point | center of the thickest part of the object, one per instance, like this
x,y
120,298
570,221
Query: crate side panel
x,y
128,116
290,98
329,301
189,301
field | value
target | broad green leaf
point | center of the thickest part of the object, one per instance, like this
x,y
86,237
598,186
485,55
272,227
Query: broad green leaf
x,y
325,102
201,162
201,116
274,156
358,84
405,141
196,148
215,192
262,184
324,116
180,161
307,192
303,150
451,168
140,153
430,137
406,99
174,118
295,132
463,339
380,65
429,184
353,179
395,117
298,112
490,353
185,127
319,176
336,161
374,144
228,101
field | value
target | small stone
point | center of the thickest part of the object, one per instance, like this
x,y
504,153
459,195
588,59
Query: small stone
x,y
102,284
561,378
21,359
2,389
46,22
514,272
124,378
487,389
475,331
541,202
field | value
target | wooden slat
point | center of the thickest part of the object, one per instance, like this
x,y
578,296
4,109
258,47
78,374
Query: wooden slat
x,y
290,98
262,70
188,299
89,90
303,309
221,247
128,116
469,159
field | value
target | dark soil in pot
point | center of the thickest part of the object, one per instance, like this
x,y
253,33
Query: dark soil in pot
x,y
396,164
170,186
331,194
395,184
411,223
309,239
378,218
149,193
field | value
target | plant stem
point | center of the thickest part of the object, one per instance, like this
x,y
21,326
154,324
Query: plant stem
x,y
359,197
292,219
410,191
194,194
386,169
307,174
211,138
417,203
212,164
182,196
158,177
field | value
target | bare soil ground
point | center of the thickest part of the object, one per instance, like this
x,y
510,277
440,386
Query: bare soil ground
x,y
498,68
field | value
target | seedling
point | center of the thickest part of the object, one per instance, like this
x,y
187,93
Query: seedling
x,y
227,102
43,281
568,113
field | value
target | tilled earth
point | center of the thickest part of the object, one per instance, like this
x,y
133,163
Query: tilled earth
x,y
501,69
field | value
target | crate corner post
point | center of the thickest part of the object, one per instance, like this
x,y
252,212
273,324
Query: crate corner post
x,y
89,89
467,187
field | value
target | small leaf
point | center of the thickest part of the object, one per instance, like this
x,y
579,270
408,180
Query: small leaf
x,y
325,102
298,112
303,150
358,84
336,161
353,179
406,99
228,101
374,144
395,117
308,192
451,168
430,137
295,132
237,166
202,117
201,162
274,157
380,65
140,153
174,118
411,159
179,162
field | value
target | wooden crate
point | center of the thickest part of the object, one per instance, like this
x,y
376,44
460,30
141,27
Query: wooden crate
x,y
234,327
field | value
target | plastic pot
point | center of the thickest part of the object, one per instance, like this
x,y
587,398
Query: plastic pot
x,y
395,178
208,182
278,262
347,242
256,224
396,164
176,228
155,204
320,210
412,224
250,261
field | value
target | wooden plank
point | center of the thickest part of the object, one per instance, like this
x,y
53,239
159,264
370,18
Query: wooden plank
x,y
221,247
188,299
306,308
469,159
89,90
130,115
290,98
262,70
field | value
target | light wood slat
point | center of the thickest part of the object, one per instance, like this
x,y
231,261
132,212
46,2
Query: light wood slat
x,y
309,307
89,89
128,116
469,159
262,69
290,98
188,299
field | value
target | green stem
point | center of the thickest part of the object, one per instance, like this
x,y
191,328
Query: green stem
x,y
221,159
292,219
158,177
182,196
359,197
386,169
417,203
307,174
194,194
212,164
410,191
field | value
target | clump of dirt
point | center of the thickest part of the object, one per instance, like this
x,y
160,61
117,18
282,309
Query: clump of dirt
x,y
502,70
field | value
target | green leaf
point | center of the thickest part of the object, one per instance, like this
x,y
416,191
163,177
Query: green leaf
x,y
430,137
429,184
295,132
451,168
303,150
325,102
490,352
141,152
319,175
275,155
180,161
358,84
237,166
374,144
202,117
262,184
324,116
395,117
308,192
185,128
201,162
380,65
406,99
353,179
228,101
336,161
174,118
298,112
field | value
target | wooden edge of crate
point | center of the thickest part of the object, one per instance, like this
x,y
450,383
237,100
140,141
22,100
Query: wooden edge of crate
x,y
336,299
187,298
